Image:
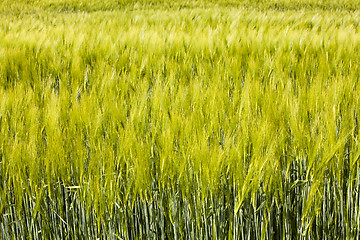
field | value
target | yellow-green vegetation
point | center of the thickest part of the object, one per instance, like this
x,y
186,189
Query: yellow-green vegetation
x,y
179,120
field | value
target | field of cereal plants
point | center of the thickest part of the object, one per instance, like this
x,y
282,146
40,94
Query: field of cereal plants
x,y
179,119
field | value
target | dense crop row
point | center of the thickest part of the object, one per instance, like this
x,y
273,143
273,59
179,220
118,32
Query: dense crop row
x,y
20,7
209,121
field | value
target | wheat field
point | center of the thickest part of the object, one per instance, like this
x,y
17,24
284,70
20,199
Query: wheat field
x,y
178,119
